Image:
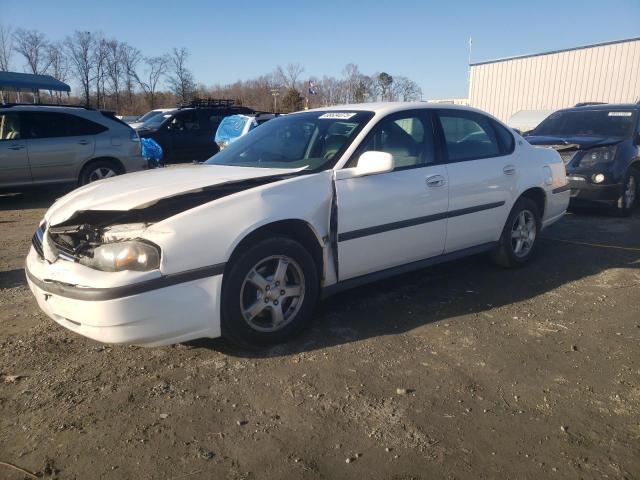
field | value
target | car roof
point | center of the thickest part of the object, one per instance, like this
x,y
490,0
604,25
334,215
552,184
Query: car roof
x,y
603,106
53,108
390,107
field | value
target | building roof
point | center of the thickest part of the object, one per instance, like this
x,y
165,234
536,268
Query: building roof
x,y
519,57
30,82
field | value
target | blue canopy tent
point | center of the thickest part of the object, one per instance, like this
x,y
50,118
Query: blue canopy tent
x,y
26,82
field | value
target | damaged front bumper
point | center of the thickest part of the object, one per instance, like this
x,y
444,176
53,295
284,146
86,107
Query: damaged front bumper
x,y
141,308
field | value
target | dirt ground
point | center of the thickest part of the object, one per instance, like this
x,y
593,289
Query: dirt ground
x,y
461,371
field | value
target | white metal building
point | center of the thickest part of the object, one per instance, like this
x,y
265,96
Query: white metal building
x,y
604,72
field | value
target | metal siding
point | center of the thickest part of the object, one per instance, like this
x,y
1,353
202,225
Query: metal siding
x,y
605,73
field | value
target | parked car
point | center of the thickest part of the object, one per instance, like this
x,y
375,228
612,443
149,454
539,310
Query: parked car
x,y
128,119
138,121
233,127
599,144
306,205
44,145
526,120
186,134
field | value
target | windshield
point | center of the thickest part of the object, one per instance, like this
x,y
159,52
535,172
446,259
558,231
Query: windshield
x,y
312,140
607,123
157,120
149,115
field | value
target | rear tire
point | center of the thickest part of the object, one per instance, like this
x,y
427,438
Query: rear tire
x,y
628,195
269,293
519,236
98,170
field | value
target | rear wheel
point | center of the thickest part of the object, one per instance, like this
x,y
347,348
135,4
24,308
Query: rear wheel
x,y
629,195
519,236
269,293
98,170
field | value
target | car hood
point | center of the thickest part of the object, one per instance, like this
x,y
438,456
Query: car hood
x,y
141,189
581,141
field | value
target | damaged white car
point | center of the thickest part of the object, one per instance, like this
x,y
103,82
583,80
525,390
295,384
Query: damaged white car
x,y
244,245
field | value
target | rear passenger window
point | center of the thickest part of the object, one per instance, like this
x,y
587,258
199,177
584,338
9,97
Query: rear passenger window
x,y
77,126
505,138
468,136
408,138
55,125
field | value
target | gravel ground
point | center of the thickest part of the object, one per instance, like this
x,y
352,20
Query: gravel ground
x,y
461,371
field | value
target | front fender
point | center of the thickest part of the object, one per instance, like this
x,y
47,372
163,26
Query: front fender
x,y
208,234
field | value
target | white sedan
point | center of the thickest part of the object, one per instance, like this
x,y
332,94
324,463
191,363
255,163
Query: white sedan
x,y
308,204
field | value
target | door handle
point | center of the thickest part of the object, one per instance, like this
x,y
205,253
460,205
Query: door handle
x,y
509,170
435,181
84,142
16,147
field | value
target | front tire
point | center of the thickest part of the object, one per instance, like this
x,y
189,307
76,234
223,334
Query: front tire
x,y
519,236
269,293
629,195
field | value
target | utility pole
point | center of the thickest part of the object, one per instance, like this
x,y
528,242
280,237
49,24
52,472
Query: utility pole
x,y
275,92
469,61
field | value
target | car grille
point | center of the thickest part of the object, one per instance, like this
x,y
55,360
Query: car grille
x,y
37,238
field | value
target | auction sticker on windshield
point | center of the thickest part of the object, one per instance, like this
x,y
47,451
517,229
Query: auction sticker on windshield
x,y
619,114
338,115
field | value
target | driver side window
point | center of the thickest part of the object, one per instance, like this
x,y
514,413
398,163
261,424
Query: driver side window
x,y
409,138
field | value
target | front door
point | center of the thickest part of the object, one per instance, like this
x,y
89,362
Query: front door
x,y
398,217
14,162
187,136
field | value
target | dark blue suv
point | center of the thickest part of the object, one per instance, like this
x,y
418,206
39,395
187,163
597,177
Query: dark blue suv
x,y
600,146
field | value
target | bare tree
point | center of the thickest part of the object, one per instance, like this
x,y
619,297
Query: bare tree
x,y
99,59
181,79
405,89
115,69
6,47
79,48
289,75
130,57
32,45
58,64
352,78
156,69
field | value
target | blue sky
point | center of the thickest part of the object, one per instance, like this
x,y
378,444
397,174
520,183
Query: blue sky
x,y
424,40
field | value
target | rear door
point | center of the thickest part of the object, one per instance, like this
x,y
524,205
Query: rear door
x,y
58,144
393,218
14,162
483,175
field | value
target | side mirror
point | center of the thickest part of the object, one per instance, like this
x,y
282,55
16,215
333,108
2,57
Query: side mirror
x,y
372,163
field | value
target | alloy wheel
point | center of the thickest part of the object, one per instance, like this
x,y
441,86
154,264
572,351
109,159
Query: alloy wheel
x,y
272,293
523,233
100,173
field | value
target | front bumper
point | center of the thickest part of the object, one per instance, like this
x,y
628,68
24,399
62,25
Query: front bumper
x,y
169,314
585,190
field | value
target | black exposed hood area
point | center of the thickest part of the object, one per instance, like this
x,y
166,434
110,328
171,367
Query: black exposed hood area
x,y
167,206
581,142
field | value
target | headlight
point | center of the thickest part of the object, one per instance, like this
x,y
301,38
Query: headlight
x,y
597,156
131,255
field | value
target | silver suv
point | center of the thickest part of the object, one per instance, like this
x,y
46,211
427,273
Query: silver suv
x,y
42,145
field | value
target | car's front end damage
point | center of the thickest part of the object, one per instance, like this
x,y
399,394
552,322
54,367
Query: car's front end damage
x,y
148,271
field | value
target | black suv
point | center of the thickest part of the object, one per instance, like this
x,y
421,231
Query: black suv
x,y
600,146
186,134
